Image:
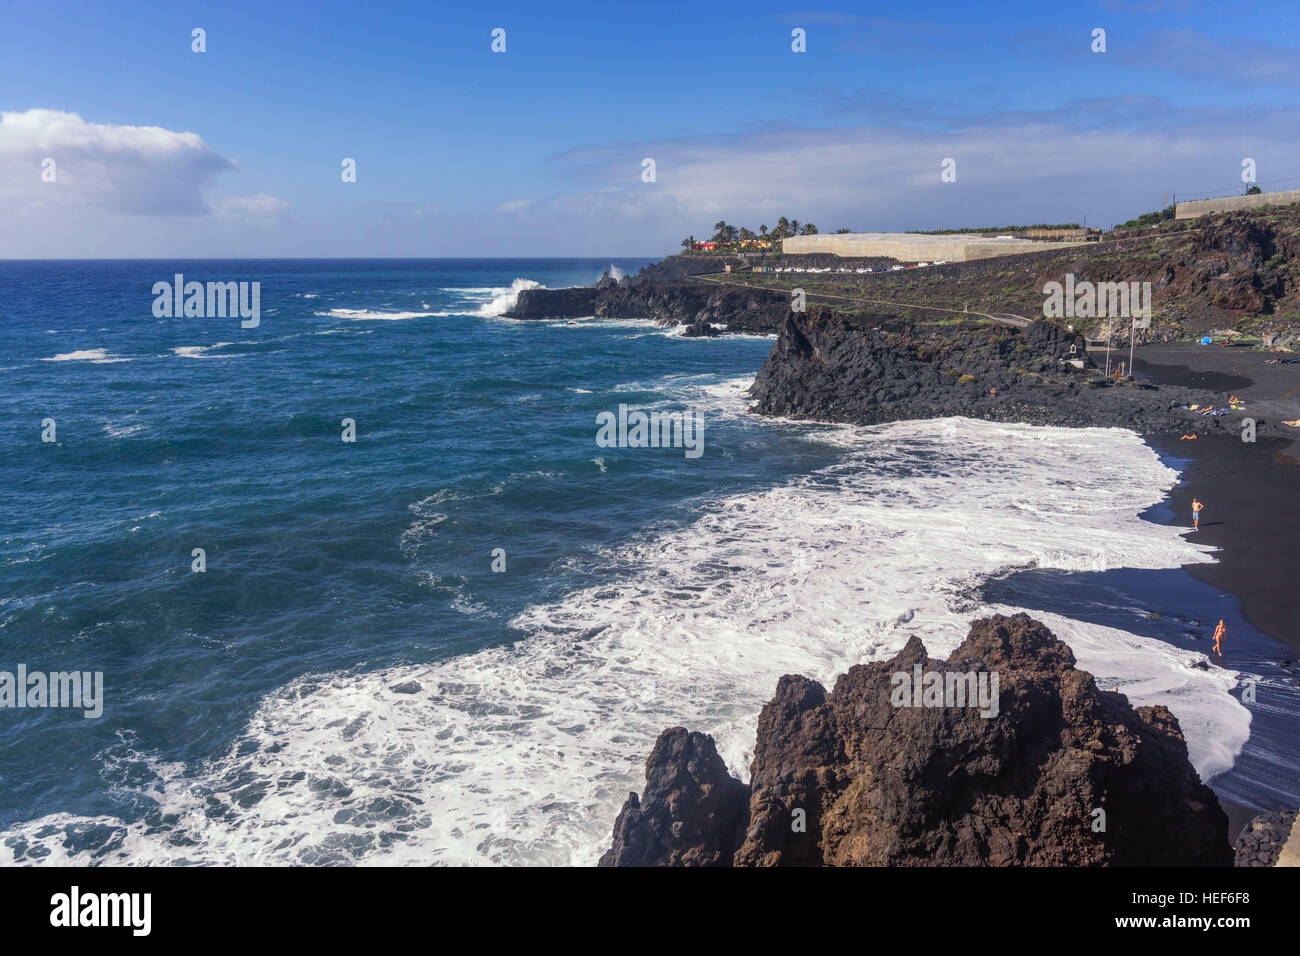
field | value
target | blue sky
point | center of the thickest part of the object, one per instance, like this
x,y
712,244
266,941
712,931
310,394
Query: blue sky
x,y
538,150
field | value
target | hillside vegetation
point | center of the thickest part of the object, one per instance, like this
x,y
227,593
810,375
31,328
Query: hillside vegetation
x,y
1237,270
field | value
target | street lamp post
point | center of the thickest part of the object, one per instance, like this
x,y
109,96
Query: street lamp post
x,y
1132,338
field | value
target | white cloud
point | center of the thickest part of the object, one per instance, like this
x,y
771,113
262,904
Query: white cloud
x,y
1100,159
515,205
143,170
259,206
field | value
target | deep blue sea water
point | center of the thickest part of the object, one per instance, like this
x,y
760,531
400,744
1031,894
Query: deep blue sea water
x,y
350,680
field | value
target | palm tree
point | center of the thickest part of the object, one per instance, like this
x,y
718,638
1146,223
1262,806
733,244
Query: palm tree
x,y
782,228
794,227
726,232
688,243
809,229
762,231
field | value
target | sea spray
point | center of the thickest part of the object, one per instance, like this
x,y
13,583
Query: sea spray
x,y
504,300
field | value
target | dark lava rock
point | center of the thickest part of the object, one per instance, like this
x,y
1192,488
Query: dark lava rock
x,y
742,310
665,293
692,812
572,303
1261,840
851,779
829,367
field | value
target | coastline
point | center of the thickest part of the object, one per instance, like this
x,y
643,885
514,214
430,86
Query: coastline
x,y
1249,517
1248,493
1245,486
1248,488
1255,603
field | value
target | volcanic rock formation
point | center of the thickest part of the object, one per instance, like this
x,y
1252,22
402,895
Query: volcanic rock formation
x,y
1062,774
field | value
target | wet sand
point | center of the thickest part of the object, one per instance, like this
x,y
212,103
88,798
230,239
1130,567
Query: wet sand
x,y
1250,495
1250,490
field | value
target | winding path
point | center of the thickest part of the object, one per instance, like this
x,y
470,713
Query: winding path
x,y
1002,318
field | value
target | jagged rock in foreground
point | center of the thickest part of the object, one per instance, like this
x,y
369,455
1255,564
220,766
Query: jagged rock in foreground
x,y
693,813
1260,842
848,778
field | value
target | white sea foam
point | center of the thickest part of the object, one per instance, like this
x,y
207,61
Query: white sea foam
x,y
524,753
504,299
368,315
199,351
122,429
98,356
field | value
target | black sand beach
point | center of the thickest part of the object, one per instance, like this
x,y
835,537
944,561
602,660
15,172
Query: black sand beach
x,y
1248,489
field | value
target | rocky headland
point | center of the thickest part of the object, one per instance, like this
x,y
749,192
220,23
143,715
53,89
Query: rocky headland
x,y
924,343
667,294
826,366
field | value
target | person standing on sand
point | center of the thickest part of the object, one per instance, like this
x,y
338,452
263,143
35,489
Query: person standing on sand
x,y
1196,514
1218,638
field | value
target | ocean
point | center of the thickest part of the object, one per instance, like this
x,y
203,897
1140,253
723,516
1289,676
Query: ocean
x,y
455,638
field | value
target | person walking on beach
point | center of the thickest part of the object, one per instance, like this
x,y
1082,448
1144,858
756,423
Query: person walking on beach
x,y
1196,514
1218,638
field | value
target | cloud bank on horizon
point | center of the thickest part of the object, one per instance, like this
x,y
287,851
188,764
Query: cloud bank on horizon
x,y
1174,110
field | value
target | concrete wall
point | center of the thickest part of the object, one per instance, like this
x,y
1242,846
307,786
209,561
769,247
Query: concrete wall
x,y
1203,207
912,247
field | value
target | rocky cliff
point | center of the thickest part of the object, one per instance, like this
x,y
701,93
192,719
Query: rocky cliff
x,y
830,367
1062,774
